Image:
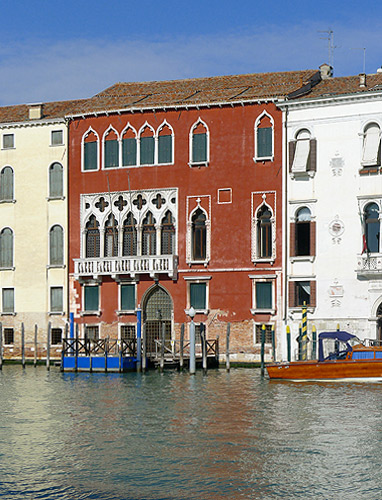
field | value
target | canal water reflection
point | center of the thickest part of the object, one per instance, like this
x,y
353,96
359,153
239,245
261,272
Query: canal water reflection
x,y
176,437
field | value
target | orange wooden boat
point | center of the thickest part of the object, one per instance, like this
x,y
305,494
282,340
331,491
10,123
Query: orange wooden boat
x,y
341,356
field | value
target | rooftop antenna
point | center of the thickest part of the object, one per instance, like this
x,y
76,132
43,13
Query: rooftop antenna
x,y
364,56
331,46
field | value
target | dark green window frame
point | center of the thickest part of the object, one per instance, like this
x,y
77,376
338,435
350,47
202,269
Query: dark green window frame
x,y
127,297
91,155
264,295
264,142
91,298
198,296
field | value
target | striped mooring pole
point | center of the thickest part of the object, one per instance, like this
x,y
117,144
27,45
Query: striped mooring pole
x,y
304,334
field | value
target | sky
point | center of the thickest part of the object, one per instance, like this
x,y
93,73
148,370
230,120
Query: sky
x,y
73,49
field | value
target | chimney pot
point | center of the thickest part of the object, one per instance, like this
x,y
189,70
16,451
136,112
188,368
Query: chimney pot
x,y
362,80
35,111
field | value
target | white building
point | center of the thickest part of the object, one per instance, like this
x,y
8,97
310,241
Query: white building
x,y
333,183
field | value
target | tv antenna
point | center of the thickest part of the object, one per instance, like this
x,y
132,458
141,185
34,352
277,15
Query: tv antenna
x,y
331,46
364,56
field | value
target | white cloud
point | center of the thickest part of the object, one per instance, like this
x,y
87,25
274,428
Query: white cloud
x,y
46,70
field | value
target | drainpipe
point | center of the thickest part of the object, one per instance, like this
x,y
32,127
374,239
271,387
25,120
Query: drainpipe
x,y
285,215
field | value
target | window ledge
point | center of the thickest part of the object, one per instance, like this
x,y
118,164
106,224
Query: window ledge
x,y
302,258
298,309
56,266
198,262
264,261
90,313
263,311
199,311
259,159
56,313
129,311
56,145
6,149
7,201
305,173
369,170
199,164
10,268
55,198
8,313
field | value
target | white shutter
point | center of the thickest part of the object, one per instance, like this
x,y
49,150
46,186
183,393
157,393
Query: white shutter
x,y
371,141
301,155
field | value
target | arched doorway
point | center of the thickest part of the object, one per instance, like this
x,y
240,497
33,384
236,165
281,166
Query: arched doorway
x,y
157,314
379,322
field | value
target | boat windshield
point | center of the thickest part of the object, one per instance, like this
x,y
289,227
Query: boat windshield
x,y
354,341
335,349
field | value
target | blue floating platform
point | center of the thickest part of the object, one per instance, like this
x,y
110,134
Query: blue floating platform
x,y
99,363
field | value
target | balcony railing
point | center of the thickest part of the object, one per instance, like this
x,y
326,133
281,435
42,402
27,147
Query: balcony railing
x,y
369,265
153,265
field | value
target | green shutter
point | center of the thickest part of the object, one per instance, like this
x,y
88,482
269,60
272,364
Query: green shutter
x,y
198,295
56,242
56,180
56,299
199,148
6,248
147,151
129,152
91,298
264,295
6,184
264,142
111,154
127,297
91,157
165,149
8,300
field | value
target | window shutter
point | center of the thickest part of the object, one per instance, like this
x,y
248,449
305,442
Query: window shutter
x,y
264,295
292,150
199,148
56,180
312,238
313,155
111,154
56,242
6,184
91,298
129,152
292,241
264,142
8,300
127,297
292,294
313,294
198,295
91,157
147,151
371,146
6,248
165,149
301,156
56,299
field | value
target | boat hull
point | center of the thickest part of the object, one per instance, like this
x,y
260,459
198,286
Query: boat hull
x,y
326,370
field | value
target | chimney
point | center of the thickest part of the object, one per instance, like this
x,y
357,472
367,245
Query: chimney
x,y
326,71
362,80
35,111
379,70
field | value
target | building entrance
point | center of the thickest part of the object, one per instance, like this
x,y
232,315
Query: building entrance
x,y
157,314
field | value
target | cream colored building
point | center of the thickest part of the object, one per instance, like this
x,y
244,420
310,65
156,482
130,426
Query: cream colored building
x,y
33,226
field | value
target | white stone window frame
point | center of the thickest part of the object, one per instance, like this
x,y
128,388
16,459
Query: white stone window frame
x,y
375,161
190,261
198,280
192,163
10,268
298,278
126,323
255,254
98,325
296,171
266,278
10,313
89,283
105,134
121,311
156,152
90,130
256,157
140,131
56,313
295,206
261,323
13,200
2,141
52,144
363,202
133,129
227,190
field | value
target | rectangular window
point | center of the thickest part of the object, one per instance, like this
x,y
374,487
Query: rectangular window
x,y
264,142
268,334
91,298
8,141
147,150
56,336
127,297
165,149
57,138
264,294
8,300
9,336
198,296
56,299
128,332
302,293
199,148
111,154
91,157
129,152
301,156
91,332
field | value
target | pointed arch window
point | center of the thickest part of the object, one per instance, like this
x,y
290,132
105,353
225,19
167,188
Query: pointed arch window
x,y
56,178
92,238
6,184
6,248
129,148
147,146
129,236
111,237
165,145
264,138
56,246
168,235
90,151
371,150
372,228
199,235
111,150
149,237
264,232
199,144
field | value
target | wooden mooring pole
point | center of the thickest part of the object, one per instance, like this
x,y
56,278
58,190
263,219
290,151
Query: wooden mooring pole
x,y
162,346
262,349
1,346
48,346
35,346
76,350
288,343
204,347
181,360
227,362
144,360
22,346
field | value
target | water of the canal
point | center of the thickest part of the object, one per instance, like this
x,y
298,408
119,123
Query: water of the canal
x,y
176,437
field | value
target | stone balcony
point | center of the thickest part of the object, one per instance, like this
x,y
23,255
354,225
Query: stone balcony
x,y
369,265
154,265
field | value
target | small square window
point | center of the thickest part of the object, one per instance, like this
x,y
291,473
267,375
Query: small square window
x,y
127,297
8,141
8,300
56,299
57,138
91,298
268,334
302,293
56,336
91,332
9,336
198,296
128,332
